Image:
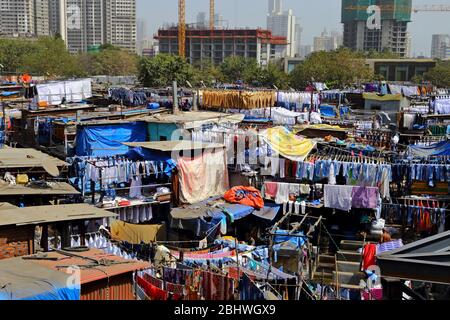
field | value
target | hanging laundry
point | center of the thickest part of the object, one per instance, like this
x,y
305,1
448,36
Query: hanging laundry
x,y
338,197
203,177
364,197
137,234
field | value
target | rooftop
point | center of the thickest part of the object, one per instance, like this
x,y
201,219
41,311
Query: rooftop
x,y
90,259
29,158
50,214
194,119
56,188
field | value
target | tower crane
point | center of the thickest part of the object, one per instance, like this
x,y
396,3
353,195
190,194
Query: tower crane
x,y
182,24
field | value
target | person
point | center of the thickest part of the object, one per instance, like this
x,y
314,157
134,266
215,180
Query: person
x,y
376,123
385,236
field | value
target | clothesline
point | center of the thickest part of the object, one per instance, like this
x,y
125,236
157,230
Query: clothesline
x,y
350,152
209,232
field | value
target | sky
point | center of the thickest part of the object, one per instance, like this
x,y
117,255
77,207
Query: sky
x,y
314,15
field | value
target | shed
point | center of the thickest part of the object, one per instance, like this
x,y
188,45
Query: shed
x,y
26,280
389,103
162,127
17,225
103,276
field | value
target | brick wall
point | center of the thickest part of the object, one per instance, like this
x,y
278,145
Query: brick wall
x,y
16,241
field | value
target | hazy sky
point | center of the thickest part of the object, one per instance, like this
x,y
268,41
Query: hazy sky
x,y
314,15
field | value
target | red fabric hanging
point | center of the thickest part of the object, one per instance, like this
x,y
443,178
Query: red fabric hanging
x,y
369,256
151,291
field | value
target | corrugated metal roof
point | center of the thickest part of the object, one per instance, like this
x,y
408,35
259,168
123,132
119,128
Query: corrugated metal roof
x,y
56,188
49,214
7,206
194,119
24,158
100,271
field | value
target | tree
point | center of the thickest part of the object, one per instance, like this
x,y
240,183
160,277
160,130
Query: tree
x,y
163,69
439,75
274,75
50,58
240,68
336,68
13,53
207,73
114,62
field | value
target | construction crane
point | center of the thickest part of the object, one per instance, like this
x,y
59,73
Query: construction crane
x,y
182,28
182,24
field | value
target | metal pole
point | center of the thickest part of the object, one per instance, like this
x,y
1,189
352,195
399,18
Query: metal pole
x,y
176,109
195,101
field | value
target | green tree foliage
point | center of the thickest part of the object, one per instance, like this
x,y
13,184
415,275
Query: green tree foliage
x,y
13,53
439,75
274,75
335,68
240,68
50,58
110,61
163,69
206,73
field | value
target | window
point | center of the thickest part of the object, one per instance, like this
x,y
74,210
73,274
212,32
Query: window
x,y
384,72
401,74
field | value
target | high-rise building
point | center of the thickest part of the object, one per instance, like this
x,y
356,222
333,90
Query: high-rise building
x,y
440,46
141,35
201,20
41,18
218,20
305,50
120,23
17,18
282,24
24,18
408,46
85,24
378,30
91,23
57,12
298,39
214,46
328,41
275,6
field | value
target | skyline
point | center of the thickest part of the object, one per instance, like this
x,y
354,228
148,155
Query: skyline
x,y
253,13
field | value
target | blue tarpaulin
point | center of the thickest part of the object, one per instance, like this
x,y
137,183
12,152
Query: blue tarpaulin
x,y
327,111
9,93
437,149
26,280
142,154
106,140
285,236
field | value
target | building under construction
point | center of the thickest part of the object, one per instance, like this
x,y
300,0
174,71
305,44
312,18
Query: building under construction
x,y
206,45
391,33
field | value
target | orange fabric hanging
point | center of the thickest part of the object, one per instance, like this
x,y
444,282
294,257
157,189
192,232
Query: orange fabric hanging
x,y
247,196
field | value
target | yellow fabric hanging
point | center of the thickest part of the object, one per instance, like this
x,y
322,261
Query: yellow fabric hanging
x,y
234,99
386,97
287,144
137,234
325,127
